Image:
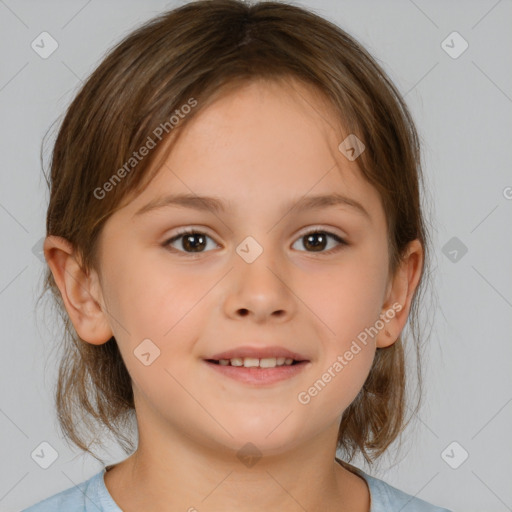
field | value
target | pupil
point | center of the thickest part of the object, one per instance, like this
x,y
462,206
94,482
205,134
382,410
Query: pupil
x,y
315,246
189,245
314,241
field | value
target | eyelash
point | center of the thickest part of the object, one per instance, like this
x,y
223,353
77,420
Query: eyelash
x,y
185,232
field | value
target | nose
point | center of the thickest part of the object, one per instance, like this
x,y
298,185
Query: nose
x,y
261,290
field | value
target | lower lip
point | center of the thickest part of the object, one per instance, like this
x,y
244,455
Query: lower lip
x,y
260,376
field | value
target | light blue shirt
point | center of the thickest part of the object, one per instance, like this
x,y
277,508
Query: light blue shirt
x,y
92,496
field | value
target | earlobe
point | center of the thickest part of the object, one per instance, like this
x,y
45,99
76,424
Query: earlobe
x,y
397,305
78,291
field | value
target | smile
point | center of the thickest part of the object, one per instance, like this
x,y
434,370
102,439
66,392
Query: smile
x,y
254,362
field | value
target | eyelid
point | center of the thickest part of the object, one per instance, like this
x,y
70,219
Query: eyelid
x,y
325,229
307,231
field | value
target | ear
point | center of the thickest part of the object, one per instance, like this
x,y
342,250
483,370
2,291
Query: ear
x,y
80,291
401,287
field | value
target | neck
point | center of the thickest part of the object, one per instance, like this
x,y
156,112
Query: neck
x,y
184,477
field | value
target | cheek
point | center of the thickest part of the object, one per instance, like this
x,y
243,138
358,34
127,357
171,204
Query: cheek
x,y
156,317
152,299
339,379
348,303
347,299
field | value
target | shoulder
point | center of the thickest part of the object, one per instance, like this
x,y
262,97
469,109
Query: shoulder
x,y
84,497
386,498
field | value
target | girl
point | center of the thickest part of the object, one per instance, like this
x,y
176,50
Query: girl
x,y
235,240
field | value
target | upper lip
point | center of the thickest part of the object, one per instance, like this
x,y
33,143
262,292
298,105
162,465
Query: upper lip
x,y
259,353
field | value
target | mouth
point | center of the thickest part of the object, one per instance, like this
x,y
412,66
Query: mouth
x,y
254,362
257,356
258,366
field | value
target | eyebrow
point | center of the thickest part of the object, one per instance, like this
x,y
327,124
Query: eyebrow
x,y
215,204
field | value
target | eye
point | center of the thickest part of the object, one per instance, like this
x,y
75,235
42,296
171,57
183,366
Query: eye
x,y
192,241
317,240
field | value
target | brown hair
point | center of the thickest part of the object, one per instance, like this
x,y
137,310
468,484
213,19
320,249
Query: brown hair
x,y
201,50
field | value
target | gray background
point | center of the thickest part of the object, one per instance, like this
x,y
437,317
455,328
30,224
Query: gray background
x,y
463,109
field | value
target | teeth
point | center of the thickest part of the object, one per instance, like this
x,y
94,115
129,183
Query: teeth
x,y
253,362
250,362
270,362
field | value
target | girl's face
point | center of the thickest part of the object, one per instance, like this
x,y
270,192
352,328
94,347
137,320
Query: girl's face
x,y
250,277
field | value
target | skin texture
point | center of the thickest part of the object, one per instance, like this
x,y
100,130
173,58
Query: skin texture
x,y
258,148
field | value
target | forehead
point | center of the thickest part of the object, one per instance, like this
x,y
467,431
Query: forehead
x,y
263,143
